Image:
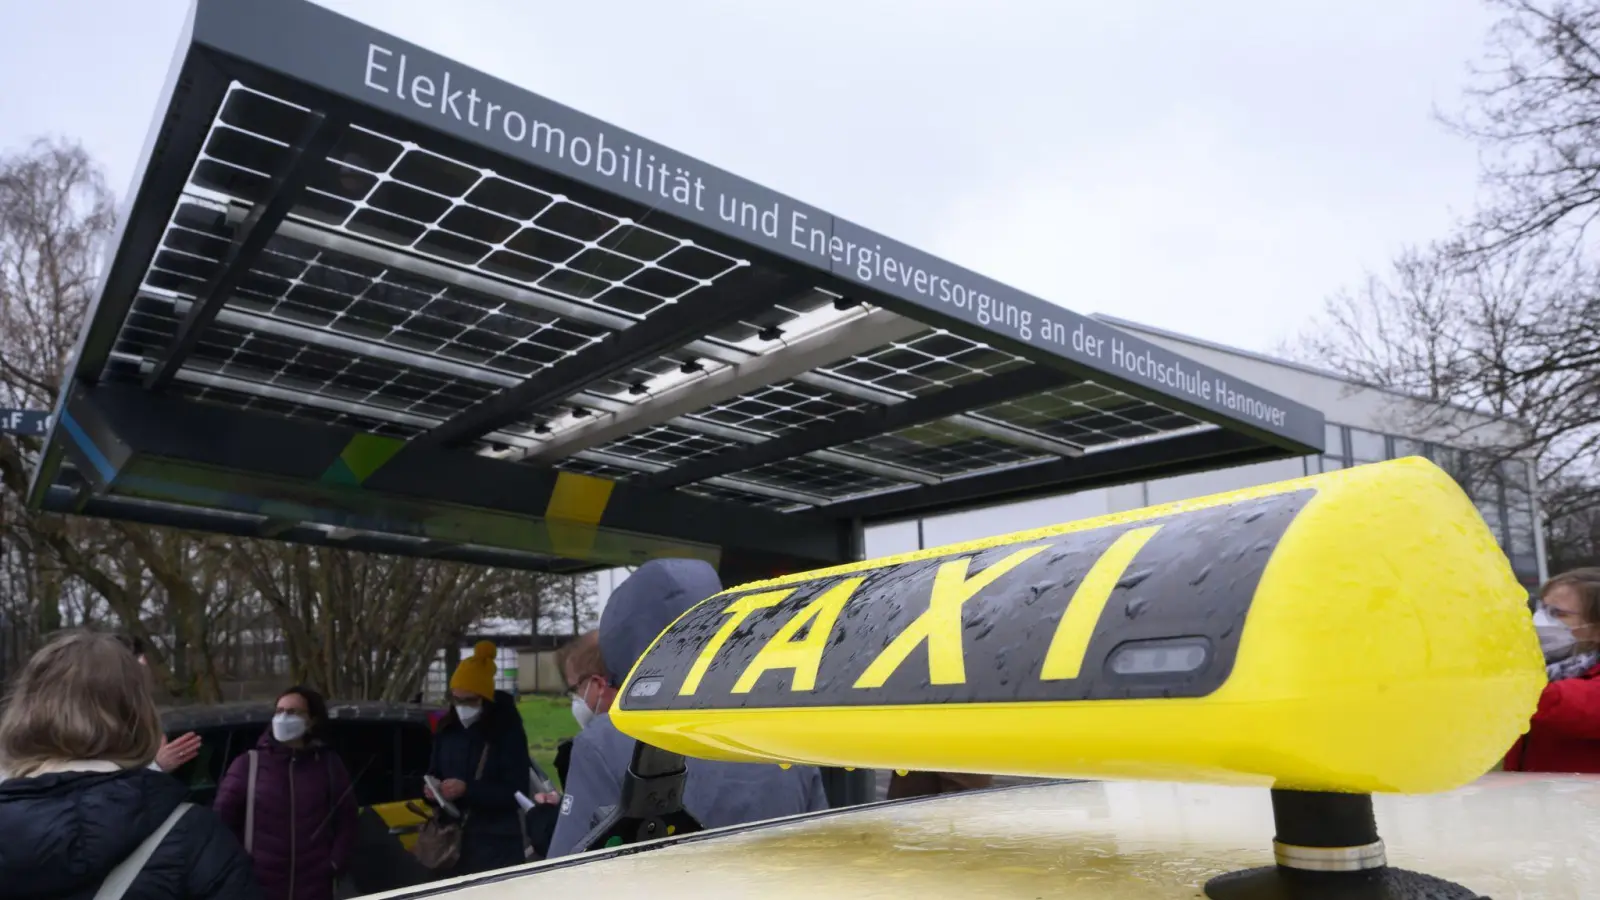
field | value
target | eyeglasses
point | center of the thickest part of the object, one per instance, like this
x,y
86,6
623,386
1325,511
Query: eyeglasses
x,y
574,691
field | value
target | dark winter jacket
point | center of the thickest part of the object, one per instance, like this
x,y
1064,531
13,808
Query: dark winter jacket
x,y
1564,735
493,834
305,821
61,834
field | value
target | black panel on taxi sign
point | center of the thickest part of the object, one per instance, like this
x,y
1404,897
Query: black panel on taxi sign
x,y
1149,608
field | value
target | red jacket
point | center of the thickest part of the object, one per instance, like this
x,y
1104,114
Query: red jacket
x,y
1564,735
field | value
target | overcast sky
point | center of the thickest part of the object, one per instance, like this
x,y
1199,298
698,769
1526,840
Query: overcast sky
x,y
1212,168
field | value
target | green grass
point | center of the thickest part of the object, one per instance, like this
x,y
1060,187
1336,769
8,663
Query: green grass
x,y
548,721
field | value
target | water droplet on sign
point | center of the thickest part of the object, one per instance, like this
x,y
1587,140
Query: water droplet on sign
x,y
902,772
1134,579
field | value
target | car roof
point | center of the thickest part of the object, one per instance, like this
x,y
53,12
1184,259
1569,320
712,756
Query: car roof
x,y
1506,835
259,712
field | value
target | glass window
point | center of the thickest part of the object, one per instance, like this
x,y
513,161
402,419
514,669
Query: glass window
x,y
1490,510
1333,440
1404,447
1515,474
1184,487
1330,464
1368,446
1519,530
887,540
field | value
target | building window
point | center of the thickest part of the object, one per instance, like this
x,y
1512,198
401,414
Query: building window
x,y
1404,447
1333,440
1335,456
1368,446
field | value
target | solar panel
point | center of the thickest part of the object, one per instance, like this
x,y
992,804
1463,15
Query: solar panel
x,y
299,256
390,192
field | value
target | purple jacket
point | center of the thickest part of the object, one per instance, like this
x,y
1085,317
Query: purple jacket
x,y
300,840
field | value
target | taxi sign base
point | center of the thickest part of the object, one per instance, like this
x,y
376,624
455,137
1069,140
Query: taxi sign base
x,y
1328,849
651,806
1278,883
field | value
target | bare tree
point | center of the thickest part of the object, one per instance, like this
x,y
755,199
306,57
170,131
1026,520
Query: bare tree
x,y
582,607
1572,540
1512,336
1534,109
362,626
1504,316
548,603
55,211
164,587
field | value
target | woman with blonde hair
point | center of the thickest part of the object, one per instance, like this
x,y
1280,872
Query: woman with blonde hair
x,y
81,809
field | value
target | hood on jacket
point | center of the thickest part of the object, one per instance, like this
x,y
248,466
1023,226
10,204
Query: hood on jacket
x,y
64,832
642,607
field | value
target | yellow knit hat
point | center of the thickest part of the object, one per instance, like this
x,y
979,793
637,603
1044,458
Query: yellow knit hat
x,y
475,675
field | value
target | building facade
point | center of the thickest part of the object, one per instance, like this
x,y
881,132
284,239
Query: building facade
x,y
1365,424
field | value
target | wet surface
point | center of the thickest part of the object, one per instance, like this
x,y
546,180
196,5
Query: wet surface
x,y
1507,837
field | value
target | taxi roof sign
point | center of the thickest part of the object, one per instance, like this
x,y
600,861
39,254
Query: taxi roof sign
x,y
1357,631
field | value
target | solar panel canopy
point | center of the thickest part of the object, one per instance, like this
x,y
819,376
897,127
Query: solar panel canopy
x,y
365,295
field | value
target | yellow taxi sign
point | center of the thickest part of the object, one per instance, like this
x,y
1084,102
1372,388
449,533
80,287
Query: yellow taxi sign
x,y
1354,631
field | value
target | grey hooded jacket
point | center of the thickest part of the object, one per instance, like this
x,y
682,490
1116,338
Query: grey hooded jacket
x,y
717,794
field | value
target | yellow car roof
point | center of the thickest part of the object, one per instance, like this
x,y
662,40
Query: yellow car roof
x,y
1505,836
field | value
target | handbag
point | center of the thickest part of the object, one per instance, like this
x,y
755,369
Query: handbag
x,y
438,843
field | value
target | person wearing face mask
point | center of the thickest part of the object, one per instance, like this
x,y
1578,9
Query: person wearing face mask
x,y
584,670
1564,734
480,759
717,794
290,802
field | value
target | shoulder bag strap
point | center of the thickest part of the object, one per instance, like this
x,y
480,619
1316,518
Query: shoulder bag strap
x,y
250,803
483,760
121,878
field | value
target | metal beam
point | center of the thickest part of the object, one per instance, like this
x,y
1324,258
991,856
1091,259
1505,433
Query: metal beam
x,y
1003,433
331,404
309,152
1194,452
188,452
869,466
823,348
749,487
848,429
522,444
738,296
846,332
265,324
61,499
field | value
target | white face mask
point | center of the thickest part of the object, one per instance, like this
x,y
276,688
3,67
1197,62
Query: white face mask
x,y
581,710
1554,638
288,728
468,714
